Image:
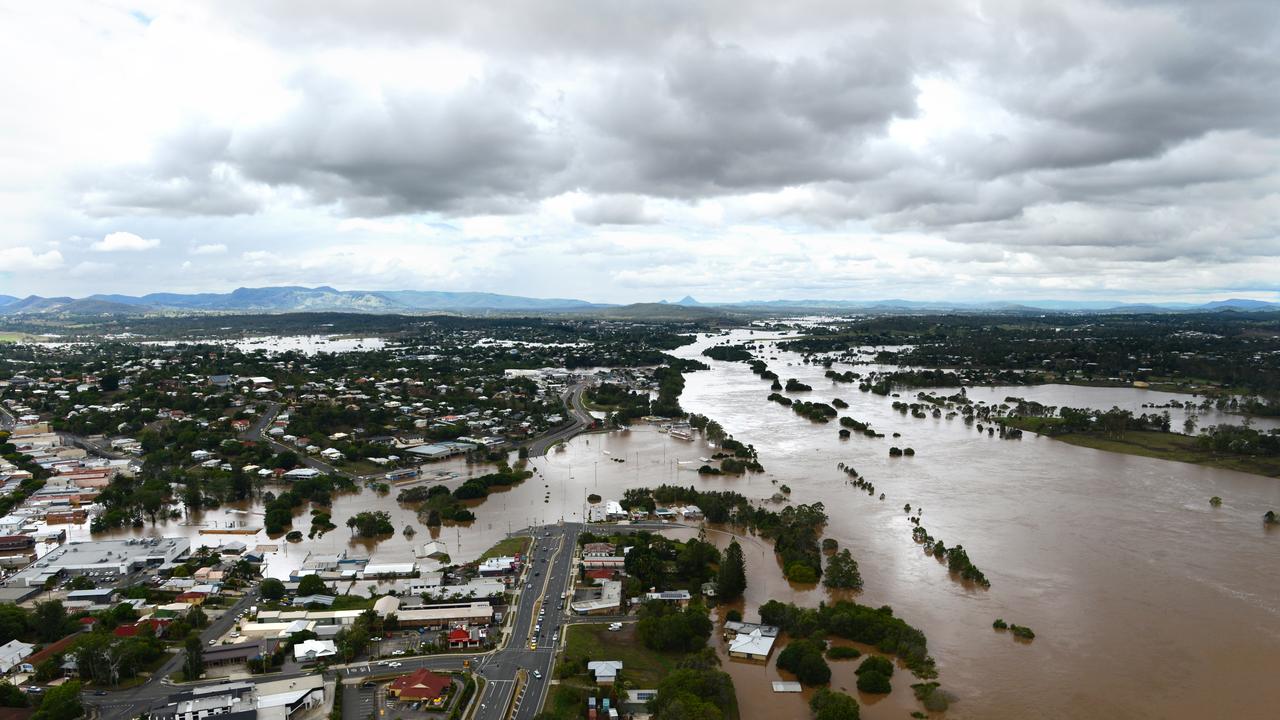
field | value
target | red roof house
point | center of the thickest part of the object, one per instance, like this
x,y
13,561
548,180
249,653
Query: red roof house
x,y
420,685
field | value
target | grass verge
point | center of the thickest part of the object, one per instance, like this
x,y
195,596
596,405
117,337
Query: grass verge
x,y
508,547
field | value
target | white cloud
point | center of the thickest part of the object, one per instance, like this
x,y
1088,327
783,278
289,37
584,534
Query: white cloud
x,y
210,249
124,242
24,258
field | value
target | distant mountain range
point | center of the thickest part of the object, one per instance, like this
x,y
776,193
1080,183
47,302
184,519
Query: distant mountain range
x,y
290,299
327,299
1028,306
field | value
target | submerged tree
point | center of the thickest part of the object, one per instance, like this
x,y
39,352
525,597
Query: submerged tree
x,y
842,571
732,579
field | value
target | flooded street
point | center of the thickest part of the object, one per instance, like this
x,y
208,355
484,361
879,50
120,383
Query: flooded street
x,y
1146,602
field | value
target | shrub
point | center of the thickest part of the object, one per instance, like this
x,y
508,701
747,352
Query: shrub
x,y
876,664
1023,632
830,705
874,682
804,659
933,698
843,652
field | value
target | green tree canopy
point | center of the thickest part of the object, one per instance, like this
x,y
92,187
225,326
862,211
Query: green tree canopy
x,y
732,579
312,585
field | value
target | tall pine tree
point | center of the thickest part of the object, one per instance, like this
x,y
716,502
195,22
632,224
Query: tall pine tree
x,y
732,579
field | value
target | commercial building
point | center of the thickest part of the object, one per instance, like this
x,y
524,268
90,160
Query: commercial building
x,y
421,685
606,599
105,558
278,700
472,613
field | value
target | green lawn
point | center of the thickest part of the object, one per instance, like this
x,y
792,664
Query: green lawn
x,y
508,547
566,702
641,667
1163,446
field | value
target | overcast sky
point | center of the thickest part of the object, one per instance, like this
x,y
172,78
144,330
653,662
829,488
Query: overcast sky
x,y
644,150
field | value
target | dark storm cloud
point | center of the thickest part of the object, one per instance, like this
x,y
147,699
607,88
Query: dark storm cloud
x,y
717,119
1104,125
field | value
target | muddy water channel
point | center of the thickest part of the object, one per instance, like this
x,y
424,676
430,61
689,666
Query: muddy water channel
x,y
1146,602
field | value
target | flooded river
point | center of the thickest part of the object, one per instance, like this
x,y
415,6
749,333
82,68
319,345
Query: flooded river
x,y
1146,602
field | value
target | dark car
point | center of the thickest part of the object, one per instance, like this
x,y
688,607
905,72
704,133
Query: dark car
x,y
99,692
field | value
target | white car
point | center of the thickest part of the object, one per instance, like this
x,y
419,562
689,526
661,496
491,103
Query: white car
x,y
394,664
614,627
537,674
397,653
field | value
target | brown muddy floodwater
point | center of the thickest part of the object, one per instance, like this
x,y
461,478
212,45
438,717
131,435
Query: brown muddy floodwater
x,y
1146,602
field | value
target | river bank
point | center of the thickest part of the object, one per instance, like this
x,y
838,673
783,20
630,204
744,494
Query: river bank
x,y
1171,446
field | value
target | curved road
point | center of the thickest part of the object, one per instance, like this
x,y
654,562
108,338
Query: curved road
x,y
580,419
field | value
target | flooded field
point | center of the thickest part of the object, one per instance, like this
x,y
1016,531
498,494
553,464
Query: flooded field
x,y
1146,602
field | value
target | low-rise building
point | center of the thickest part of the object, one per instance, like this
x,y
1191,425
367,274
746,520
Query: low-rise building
x,y
422,685
13,653
605,671
605,599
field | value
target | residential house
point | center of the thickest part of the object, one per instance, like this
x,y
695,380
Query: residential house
x,y
605,671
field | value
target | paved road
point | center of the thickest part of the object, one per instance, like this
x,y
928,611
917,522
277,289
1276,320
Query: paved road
x,y
547,580
580,419
156,691
7,421
258,433
99,447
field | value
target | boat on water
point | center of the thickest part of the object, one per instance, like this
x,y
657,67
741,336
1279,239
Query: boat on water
x,y
682,433
705,459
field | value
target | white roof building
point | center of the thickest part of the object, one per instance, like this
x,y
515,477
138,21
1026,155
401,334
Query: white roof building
x,y
312,650
752,646
13,653
606,671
